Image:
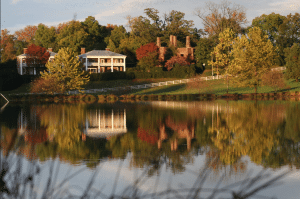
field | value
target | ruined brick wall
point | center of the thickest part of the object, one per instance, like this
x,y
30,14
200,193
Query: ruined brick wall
x,y
187,52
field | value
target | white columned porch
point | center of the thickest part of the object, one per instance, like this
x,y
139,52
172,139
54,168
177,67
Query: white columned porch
x,y
86,66
98,65
112,65
124,65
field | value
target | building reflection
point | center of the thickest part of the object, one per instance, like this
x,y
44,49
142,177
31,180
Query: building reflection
x,y
181,130
105,123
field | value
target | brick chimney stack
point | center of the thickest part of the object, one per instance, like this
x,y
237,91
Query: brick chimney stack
x,y
50,49
25,50
158,43
173,40
107,49
82,51
188,42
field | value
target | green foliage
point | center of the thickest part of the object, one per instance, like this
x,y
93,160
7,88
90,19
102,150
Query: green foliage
x,y
203,51
114,40
293,62
73,36
96,34
65,72
108,76
45,37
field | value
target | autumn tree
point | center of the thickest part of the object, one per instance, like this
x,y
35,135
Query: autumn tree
x,y
176,60
222,53
64,73
253,56
36,56
217,17
26,34
293,62
7,46
147,56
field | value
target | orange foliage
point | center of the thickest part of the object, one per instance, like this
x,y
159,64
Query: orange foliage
x,y
36,55
145,50
176,60
26,34
147,135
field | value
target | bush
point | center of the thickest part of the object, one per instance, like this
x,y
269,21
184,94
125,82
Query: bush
x,y
109,76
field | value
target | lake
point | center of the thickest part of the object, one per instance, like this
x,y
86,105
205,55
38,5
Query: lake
x,y
159,149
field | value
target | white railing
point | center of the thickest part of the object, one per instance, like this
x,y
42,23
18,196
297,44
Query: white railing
x,y
157,84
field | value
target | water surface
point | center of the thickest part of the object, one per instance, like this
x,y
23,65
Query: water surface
x,y
145,149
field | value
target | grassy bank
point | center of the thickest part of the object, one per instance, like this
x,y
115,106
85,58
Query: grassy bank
x,y
217,87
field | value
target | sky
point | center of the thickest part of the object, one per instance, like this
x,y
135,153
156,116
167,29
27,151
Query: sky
x,y
16,14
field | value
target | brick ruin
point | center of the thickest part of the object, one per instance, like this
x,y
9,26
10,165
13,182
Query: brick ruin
x,y
187,52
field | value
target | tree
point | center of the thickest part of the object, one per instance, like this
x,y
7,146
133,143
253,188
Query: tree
x,y
7,46
45,37
64,72
147,56
181,61
114,40
36,56
293,62
271,25
217,17
72,36
203,51
95,34
253,56
152,26
26,34
222,53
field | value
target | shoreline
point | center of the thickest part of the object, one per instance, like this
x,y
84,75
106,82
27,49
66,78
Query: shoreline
x,y
94,98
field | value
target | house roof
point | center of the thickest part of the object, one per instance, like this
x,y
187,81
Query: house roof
x,y
101,53
52,54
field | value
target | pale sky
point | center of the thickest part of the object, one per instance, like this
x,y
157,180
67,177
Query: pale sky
x,y
16,14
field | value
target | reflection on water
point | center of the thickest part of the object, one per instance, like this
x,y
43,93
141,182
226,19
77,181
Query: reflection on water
x,y
228,137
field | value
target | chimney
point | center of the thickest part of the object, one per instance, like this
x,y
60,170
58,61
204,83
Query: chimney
x,y
25,50
188,42
175,40
82,51
50,49
158,43
171,40
107,49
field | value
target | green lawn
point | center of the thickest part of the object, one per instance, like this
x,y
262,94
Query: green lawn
x,y
215,86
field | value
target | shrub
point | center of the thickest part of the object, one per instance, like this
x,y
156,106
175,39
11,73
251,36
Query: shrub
x,y
181,61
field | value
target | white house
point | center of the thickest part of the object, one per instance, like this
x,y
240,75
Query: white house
x,y
22,66
100,61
